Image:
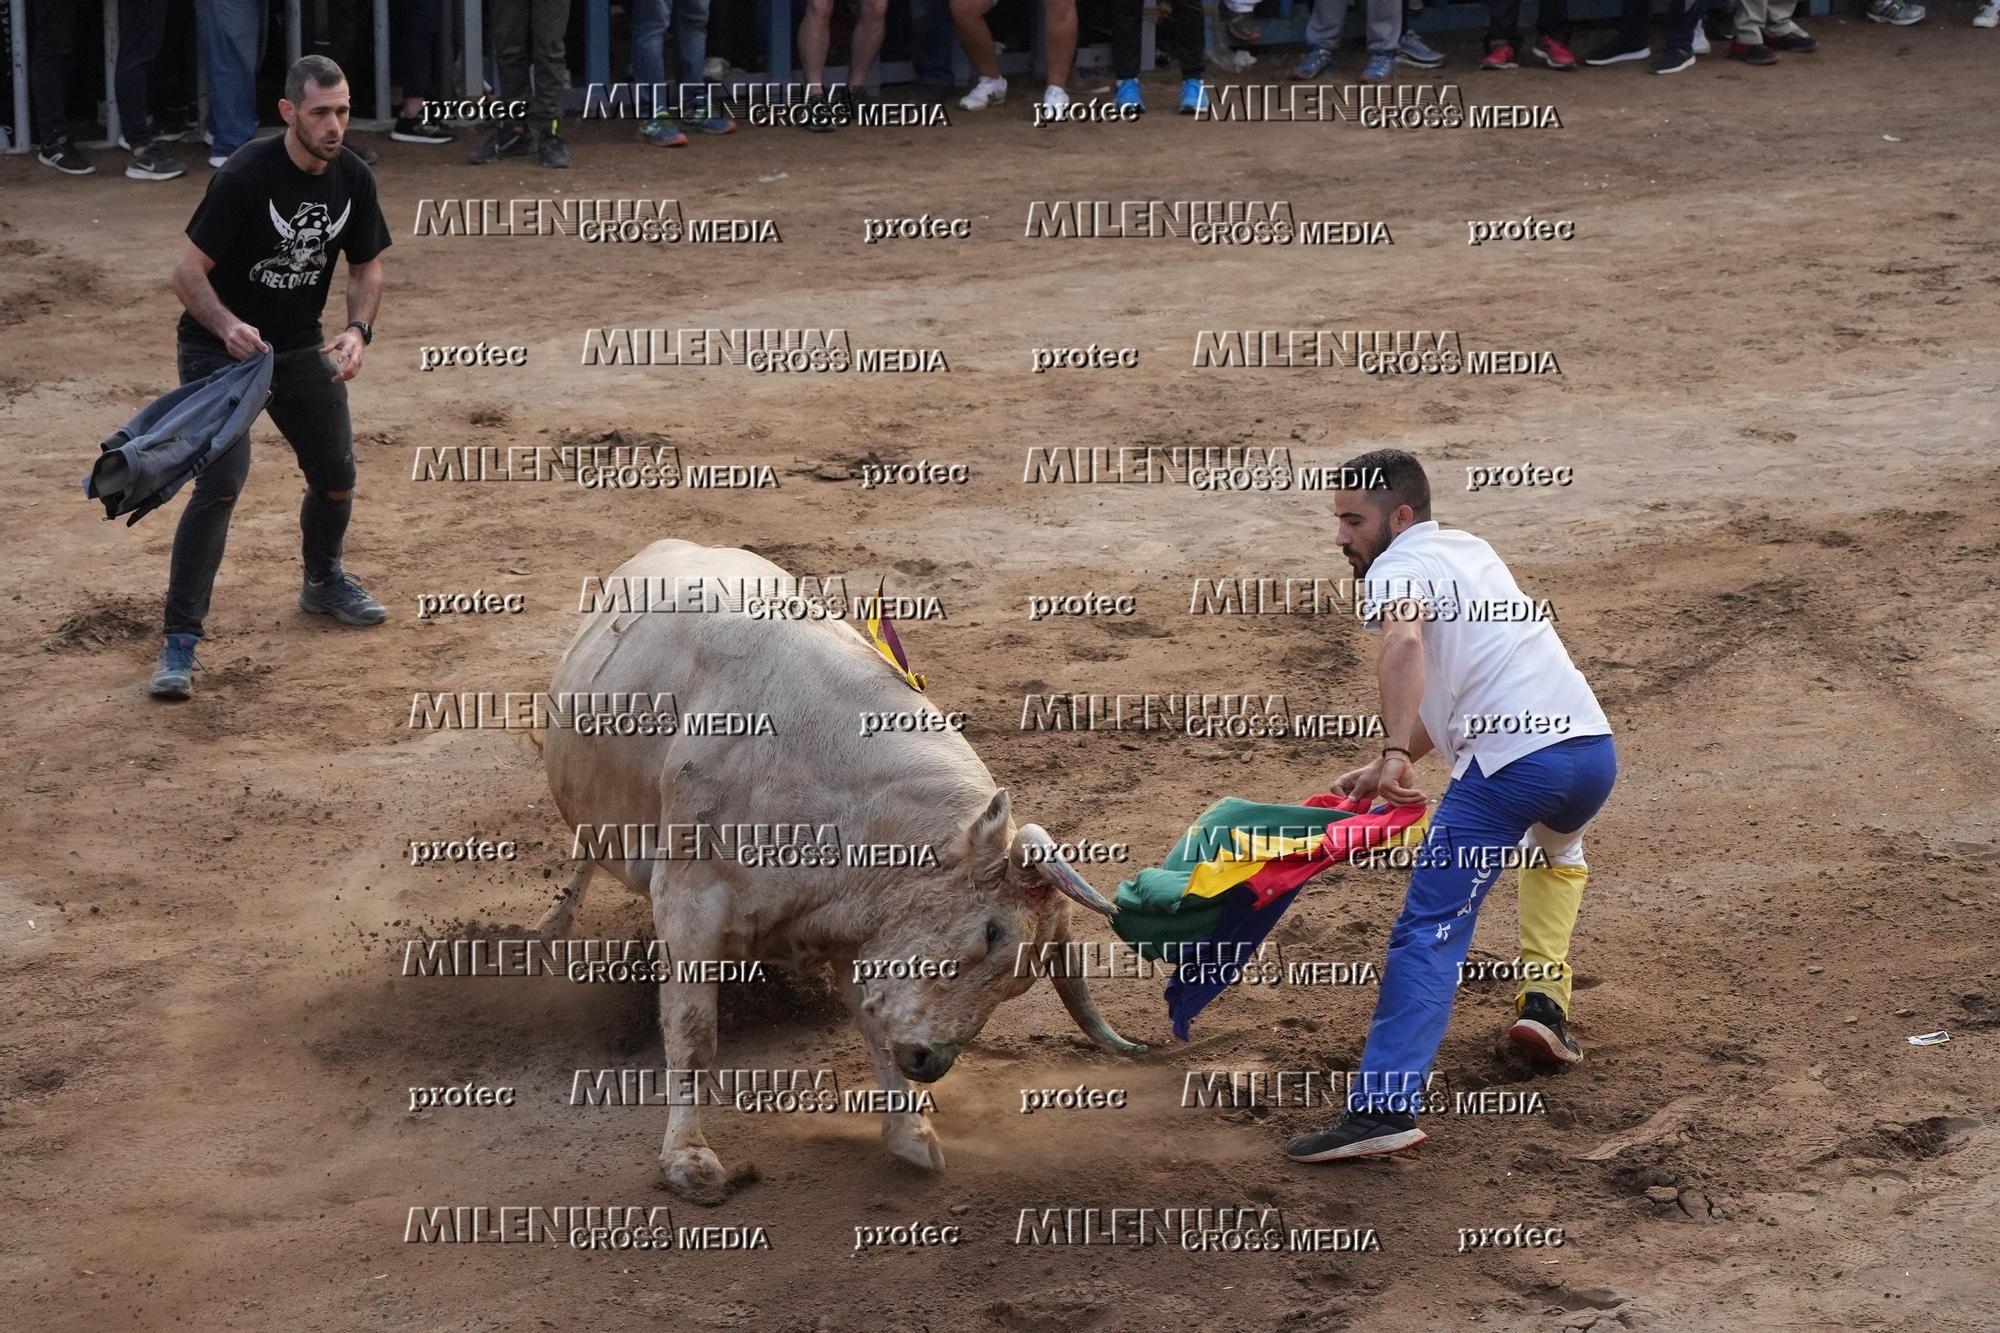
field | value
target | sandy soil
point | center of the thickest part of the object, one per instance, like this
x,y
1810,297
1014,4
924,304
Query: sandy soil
x,y
1777,564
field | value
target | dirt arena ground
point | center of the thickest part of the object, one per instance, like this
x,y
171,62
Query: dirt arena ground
x,y
1777,335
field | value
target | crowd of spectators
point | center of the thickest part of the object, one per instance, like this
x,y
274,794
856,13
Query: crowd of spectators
x,y
669,49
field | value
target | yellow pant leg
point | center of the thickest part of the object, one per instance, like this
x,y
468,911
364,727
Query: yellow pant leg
x,y
1551,895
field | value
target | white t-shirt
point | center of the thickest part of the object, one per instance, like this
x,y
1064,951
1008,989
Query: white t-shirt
x,y
1498,683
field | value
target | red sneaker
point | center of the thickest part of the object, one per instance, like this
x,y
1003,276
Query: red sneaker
x,y
1500,57
1553,53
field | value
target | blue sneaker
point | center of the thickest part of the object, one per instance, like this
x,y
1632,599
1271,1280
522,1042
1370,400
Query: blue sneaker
x,y
1413,51
343,598
1194,97
1380,65
708,120
1127,94
1319,59
173,678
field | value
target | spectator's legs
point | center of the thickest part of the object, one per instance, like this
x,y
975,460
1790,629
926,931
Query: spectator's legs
x,y
1633,19
141,24
969,18
866,42
649,54
1552,20
1385,25
932,21
232,38
1503,23
1127,19
813,38
1750,18
1186,39
509,26
51,39
1681,19
1058,38
549,20
413,34
691,40
1778,19
1323,29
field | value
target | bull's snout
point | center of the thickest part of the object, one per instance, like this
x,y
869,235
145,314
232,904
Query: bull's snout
x,y
926,1061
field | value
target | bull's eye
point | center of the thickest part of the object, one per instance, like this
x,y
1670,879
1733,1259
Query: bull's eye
x,y
992,933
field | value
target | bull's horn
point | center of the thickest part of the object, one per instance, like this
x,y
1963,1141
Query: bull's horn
x,y
1075,992
1059,872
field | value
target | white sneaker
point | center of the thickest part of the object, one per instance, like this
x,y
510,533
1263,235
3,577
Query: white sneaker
x,y
985,93
217,160
1055,100
1988,15
1700,47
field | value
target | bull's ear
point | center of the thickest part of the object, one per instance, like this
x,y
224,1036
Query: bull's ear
x,y
988,838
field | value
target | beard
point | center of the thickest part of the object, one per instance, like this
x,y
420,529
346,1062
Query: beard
x,y
1366,546
318,147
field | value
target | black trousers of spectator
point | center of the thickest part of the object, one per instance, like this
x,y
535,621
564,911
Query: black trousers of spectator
x,y
413,34
515,25
1183,34
1504,22
141,26
51,44
1680,19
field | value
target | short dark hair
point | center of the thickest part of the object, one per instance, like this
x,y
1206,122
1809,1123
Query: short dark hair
x,y
1396,476
316,70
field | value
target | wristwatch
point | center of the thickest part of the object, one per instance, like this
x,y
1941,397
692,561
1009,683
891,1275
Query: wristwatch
x,y
367,333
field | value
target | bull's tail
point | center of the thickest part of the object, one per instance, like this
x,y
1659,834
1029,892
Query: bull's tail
x,y
555,922
535,739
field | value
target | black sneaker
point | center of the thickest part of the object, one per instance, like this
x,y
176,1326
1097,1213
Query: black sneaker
x,y
1376,1134
820,114
409,129
550,150
507,141
151,163
62,154
1615,52
343,598
1672,61
362,151
1798,43
1539,1031
173,676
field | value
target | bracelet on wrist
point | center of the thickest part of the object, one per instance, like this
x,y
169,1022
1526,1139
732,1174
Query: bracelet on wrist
x,y
1388,750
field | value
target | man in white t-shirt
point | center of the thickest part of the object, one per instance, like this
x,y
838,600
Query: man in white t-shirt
x,y
1469,666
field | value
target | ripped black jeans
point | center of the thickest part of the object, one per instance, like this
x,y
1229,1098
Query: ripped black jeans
x,y
310,410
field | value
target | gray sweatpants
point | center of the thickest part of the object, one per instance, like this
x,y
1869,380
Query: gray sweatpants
x,y
1385,24
517,23
1757,19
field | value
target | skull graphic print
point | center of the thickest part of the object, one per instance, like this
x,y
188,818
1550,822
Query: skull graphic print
x,y
304,244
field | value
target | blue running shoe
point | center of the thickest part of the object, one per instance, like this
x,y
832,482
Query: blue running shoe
x,y
1412,50
1194,97
173,678
1380,65
343,598
1127,94
1319,59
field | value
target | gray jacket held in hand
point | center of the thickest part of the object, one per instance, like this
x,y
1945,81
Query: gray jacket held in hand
x,y
177,435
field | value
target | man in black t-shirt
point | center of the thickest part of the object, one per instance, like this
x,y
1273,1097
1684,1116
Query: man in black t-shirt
x,y
254,278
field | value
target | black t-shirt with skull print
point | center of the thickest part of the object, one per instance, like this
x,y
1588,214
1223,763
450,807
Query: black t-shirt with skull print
x,y
273,232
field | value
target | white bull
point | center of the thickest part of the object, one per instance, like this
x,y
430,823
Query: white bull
x,y
986,895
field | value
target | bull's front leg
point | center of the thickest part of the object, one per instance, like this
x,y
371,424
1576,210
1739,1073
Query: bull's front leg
x,y
689,923
907,1134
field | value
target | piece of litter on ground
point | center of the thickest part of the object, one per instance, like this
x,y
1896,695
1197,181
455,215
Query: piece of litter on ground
x,y
1930,1039
775,176
1890,138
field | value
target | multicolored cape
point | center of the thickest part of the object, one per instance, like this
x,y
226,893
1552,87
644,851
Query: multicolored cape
x,y
1233,874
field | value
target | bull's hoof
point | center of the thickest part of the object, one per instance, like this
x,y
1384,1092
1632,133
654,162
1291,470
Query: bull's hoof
x,y
696,1175
912,1139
